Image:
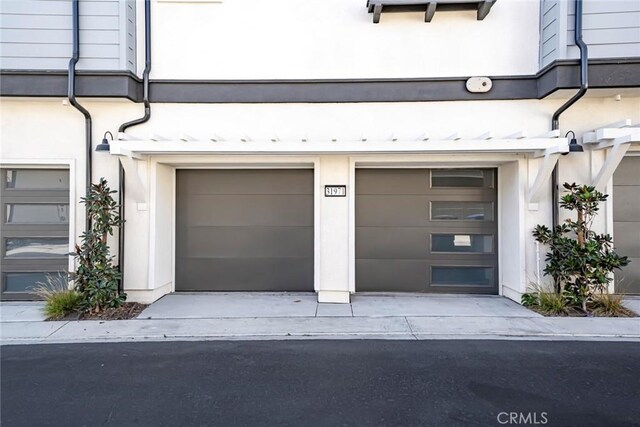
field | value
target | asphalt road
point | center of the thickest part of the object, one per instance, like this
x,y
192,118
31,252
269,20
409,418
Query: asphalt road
x,y
325,383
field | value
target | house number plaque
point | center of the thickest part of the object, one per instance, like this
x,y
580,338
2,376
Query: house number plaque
x,y
335,191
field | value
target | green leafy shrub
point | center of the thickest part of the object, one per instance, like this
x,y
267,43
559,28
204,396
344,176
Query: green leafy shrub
x,y
530,299
580,261
96,278
609,305
60,299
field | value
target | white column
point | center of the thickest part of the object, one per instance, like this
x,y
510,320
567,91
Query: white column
x,y
333,262
512,230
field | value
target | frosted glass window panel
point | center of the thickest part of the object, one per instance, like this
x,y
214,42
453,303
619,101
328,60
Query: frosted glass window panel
x,y
460,178
37,213
37,179
461,211
36,247
469,243
462,276
26,282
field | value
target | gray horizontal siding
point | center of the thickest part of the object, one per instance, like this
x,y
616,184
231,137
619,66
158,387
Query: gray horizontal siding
x,y
58,7
611,28
36,34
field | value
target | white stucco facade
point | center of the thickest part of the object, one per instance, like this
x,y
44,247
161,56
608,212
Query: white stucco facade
x,y
245,84
46,132
318,39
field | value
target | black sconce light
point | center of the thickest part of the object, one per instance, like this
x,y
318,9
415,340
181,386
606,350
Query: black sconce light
x,y
574,147
104,145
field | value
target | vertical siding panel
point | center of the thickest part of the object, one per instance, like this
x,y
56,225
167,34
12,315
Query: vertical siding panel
x,y
549,31
130,29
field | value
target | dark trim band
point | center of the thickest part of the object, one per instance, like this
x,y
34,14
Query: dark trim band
x,y
89,84
565,74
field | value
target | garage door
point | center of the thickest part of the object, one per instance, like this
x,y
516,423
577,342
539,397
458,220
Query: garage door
x,y
421,230
626,223
34,230
244,230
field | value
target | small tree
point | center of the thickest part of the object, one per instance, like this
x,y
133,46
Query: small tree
x,y
96,278
580,261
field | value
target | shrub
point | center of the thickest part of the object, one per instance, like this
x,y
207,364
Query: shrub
x,y
544,299
96,278
610,305
580,261
60,299
530,299
553,303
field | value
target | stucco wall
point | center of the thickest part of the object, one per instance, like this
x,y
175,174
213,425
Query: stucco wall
x,y
292,39
49,131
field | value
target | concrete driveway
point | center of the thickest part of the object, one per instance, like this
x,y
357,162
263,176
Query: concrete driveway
x,y
250,305
298,316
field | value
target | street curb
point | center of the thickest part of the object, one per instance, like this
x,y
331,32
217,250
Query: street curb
x,y
321,336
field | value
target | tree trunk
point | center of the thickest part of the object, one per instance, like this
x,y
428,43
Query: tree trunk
x,y
580,231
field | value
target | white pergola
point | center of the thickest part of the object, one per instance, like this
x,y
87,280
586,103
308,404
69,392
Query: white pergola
x,y
617,139
538,146
548,146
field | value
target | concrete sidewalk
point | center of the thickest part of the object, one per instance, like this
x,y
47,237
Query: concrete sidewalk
x,y
181,317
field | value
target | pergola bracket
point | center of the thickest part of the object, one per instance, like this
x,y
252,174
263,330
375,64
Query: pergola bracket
x,y
549,162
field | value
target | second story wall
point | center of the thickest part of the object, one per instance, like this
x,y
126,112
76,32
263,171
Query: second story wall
x,y
333,39
36,34
611,29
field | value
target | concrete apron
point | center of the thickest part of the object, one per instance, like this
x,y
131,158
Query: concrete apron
x,y
234,316
250,305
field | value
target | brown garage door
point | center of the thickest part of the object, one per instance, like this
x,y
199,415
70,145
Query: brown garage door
x,y
244,230
421,230
626,223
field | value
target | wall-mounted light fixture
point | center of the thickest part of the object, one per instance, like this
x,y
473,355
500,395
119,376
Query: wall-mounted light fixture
x,y
574,147
104,145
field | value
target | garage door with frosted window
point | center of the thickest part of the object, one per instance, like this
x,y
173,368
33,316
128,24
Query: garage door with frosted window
x,y
34,230
244,230
422,230
626,223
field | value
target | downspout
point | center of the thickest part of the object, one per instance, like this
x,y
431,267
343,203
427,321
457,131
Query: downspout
x,y
145,73
123,127
121,212
555,120
71,95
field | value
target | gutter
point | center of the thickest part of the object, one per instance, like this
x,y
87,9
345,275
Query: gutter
x,y
71,95
123,127
555,120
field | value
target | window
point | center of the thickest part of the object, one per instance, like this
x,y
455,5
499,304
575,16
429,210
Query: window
x,y
456,178
461,211
462,276
462,243
40,247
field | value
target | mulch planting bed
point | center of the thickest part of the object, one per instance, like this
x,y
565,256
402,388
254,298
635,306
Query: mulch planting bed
x,y
579,313
128,310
